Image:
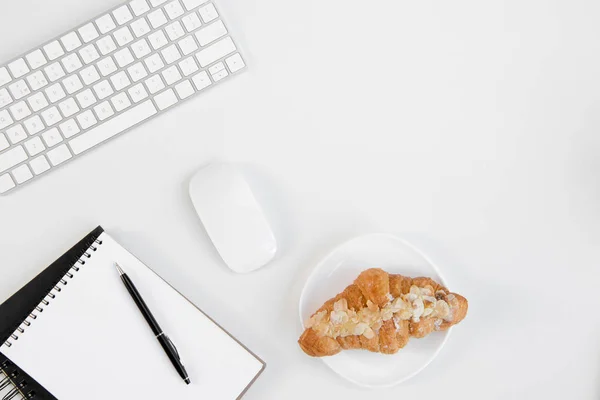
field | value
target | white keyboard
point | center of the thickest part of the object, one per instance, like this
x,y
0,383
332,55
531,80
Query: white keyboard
x,y
104,77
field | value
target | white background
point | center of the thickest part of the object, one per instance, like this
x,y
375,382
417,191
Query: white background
x,y
468,127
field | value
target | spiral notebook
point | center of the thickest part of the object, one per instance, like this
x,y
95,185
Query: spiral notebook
x,y
84,337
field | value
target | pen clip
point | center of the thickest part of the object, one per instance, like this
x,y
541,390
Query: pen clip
x,y
172,346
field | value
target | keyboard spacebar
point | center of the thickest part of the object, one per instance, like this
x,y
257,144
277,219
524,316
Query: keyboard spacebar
x,y
112,127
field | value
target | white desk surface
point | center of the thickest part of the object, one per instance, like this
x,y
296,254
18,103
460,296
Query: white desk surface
x,y
468,127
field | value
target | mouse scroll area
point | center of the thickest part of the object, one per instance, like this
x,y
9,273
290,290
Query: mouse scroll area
x,y
232,217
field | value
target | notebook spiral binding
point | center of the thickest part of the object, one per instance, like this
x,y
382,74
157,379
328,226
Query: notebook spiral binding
x,y
10,380
70,274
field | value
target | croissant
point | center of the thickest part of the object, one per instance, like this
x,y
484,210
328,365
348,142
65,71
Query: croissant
x,y
379,313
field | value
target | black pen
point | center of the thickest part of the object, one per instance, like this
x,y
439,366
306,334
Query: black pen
x,y
163,339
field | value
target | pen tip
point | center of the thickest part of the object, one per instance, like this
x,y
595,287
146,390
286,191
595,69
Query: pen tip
x,y
187,380
119,269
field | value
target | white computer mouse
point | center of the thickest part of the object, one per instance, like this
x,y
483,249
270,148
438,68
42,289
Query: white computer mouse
x,y
232,217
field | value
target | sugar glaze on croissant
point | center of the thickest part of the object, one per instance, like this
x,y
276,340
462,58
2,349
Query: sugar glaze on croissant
x,y
379,313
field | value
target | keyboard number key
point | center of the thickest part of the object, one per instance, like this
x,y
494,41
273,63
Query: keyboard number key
x,y
69,128
59,155
106,45
89,54
138,93
34,146
6,183
71,63
208,13
191,22
140,27
174,30
19,89
174,9
39,165
123,36
37,80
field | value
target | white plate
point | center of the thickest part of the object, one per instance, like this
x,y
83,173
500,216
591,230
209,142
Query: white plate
x,y
338,270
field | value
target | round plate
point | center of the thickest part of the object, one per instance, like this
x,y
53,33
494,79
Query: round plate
x,y
338,270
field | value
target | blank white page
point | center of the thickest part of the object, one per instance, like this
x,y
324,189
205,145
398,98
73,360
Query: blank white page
x,y
92,342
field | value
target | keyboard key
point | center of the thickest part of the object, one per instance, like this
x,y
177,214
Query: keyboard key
x,y
123,36
37,102
107,66
36,59
34,125
88,33
69,128
16,134
104,111
174,9
188,66
123,57
154,63
113,127
156,3
19,89
208,13
211,33
188,45
201,80
158,40
86,98
5,119
139,7
191,22
6,183
39,165
122,15
191,4
157,19
174,30
105,24
171,54
18,68
4,76
103,90
138,93
22,174
71,63
72,84
90,75
3,142
54,72
68,107
52,137
34,146
59,155
86,119
218,71
106,45
120,80
54,50
154,84
215,51
166,99
5,98
89,54
171,75
184,89
140,27
37,80
71,41
20,111
12,157
141,48
55,93
120,102
51,116
137,72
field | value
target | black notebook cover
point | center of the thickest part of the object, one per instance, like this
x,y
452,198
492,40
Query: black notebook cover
x,y
16,309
